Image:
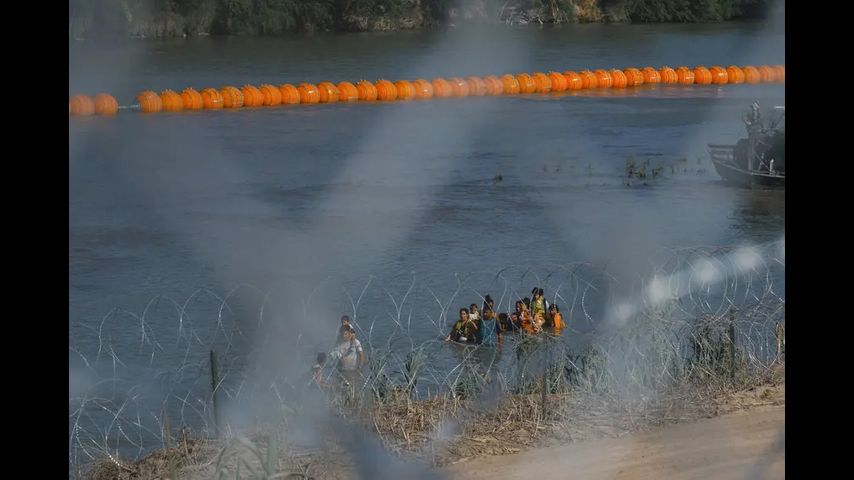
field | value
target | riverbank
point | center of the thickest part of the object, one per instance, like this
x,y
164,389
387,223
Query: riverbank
x,y
512,432
174,19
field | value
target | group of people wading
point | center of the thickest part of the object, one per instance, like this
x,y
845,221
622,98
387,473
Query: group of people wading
x,y
486,326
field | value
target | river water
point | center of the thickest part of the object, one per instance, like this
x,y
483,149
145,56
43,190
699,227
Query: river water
x,y
273,222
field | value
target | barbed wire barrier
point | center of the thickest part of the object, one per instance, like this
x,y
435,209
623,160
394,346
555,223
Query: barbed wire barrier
x,y
708,320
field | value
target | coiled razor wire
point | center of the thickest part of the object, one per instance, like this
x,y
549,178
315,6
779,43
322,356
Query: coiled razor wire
x,y
707,313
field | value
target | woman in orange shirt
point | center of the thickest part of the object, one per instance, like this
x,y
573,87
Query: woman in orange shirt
x,y
557,318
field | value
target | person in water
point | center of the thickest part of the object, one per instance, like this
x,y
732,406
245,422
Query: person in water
x,y
538,304
345,321
488,302
489,332
464,329
349,352
474,314
556,317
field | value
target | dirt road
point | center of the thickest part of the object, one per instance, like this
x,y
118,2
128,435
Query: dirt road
x,y
743,445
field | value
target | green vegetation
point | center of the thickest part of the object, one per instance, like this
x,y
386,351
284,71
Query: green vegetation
x,y
177,18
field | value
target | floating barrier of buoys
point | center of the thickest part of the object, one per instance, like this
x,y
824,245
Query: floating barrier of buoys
x,y
570,82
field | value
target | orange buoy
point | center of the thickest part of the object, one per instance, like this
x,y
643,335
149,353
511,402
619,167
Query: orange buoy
x,y
405,90
573,80
212,99
290,94
702,75
192,99
386,91
604,79
347,92
231,97
542,82
423,89
328,92
441,88
766,74
734,74
459,87
619,79
668,75
510,84
171,101
559,83
367,91
588,79
634,77
252,97
779,73
271,96
751,74
105,104
308,93
81,105
477,86
685,75
719,75
651,75
149,102
494,86
526,83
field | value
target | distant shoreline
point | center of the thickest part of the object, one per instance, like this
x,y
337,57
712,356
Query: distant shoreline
x,y
111,19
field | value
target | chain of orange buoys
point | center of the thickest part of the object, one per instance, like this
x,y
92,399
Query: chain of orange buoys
x,y
383,90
